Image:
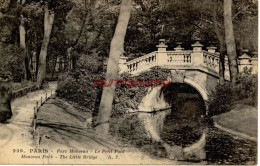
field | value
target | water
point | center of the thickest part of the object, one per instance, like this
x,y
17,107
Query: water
x,y
184,127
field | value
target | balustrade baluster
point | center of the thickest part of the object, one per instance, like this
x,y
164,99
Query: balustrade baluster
x,y
179,59
205,58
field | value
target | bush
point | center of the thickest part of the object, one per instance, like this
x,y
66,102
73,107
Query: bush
x,y
76,85
226,96
130,98
11,62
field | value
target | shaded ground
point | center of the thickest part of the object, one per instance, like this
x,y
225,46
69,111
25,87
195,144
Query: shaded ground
x,y
224,148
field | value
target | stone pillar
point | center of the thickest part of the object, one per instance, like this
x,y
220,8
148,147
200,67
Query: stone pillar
x,y
122,64
178,48
197,54
197,46
162,57
244,61
212,49
162,46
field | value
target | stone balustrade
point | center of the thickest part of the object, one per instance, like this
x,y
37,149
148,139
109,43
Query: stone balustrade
x,y
197,59
142,63
179,58
211,61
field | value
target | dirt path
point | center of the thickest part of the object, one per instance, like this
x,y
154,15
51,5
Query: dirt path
x,y
16,133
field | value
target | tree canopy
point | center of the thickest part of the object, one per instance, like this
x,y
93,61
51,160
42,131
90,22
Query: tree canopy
x,y
86,27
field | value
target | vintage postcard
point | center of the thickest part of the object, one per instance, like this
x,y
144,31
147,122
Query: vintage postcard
x,y
158,82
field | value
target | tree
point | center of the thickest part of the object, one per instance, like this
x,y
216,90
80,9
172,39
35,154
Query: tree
x,y
222,48
48,22
22,34
116,49
230,40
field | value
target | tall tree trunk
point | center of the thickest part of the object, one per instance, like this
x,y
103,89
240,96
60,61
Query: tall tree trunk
x,y
222,48
22,35
38,51
48,22
230,40
116,49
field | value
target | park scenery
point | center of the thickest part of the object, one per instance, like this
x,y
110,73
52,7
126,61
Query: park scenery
x,y
128,82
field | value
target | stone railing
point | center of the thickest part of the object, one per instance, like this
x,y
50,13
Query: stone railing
x,y
142,63
179,57
197,59
211,61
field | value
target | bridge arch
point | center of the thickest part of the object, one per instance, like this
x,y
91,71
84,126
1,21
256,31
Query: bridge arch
x,y
198,86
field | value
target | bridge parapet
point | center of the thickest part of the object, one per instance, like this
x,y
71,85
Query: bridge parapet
x,y
196,59
142,63
211,63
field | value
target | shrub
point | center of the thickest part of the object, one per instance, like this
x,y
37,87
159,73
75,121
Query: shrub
x,y
76,85
130,98
11,62
226,96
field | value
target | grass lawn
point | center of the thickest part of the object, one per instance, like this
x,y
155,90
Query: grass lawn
x,y
242,119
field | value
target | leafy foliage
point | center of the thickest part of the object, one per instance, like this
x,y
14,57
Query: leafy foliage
x,y
11,62
130,98
76,85
226,96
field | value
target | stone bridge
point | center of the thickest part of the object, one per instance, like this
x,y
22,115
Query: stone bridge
x,y
198,68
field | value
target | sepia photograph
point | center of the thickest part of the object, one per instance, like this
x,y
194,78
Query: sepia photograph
x,y
128,82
